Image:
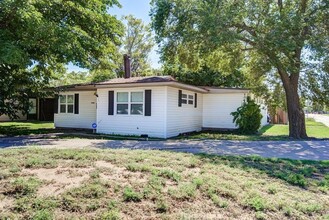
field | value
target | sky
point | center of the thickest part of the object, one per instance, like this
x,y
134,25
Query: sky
x,y
139,9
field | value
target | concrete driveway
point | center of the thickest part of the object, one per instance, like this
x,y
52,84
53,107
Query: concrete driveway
x,y
307,150
320,118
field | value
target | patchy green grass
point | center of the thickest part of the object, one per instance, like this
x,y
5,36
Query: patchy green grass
x,y
313,128
268,132
26,128
36,127
40,183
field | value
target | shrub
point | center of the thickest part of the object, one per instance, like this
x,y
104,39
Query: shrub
x,y
256,202
91,191
43,215
248,117
24,186
217,201
129,195
170,174
185,191
162,206
110,215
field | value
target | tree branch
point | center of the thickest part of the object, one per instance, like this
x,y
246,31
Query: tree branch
x,y
280,5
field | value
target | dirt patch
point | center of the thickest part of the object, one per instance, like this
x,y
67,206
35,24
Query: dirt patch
x,y
104,164
6,203
59,179
125,177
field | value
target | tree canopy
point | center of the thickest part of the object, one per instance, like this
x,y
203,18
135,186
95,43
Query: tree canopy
x,y
39,37
138,43
284,37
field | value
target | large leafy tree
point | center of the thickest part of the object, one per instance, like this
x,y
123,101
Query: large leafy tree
x,y
282,36
39,37
138,43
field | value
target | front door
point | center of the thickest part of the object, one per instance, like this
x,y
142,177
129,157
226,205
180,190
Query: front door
x,y
46,109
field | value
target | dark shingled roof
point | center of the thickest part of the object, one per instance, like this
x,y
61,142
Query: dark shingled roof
x,y
144,79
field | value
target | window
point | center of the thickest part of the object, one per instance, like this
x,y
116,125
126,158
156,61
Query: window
x,y
33,106
122,103
66,103
184,99
130,103
136,103
187,99
190,99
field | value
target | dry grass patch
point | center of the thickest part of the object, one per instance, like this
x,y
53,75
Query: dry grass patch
x,y
126,184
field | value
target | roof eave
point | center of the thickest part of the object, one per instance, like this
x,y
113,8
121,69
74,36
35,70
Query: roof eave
x,y
148,84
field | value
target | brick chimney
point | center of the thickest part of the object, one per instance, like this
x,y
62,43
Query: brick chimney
x,y
126,61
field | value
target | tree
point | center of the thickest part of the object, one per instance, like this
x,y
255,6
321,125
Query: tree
x,y
138,43
69,78
206,76
281,36
37,38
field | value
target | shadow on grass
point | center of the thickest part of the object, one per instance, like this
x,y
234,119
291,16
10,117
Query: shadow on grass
x,y
233,135
30,127
265,128
302,173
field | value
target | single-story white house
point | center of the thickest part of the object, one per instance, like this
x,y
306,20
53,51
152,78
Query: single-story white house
x,y
157,106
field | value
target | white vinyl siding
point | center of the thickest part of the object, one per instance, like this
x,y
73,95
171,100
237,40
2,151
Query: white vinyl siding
x,y
217,109
87,111
132,124
186,118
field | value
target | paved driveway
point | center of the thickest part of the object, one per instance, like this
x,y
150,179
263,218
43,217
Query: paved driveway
x,y
320,118
311,150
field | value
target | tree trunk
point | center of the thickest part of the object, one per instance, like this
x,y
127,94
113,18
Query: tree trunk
x,y
296,116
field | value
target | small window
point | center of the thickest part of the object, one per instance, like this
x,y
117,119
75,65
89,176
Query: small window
x,y
66,104
187,99
190,99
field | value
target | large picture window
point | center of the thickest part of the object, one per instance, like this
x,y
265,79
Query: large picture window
x,y
66,103
130,103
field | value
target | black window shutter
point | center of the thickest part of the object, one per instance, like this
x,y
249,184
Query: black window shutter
x,y
180,93
56,104
76,103
148,102
111,103
195,100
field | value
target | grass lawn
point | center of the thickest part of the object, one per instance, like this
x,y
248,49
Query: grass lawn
x,y
26,128
40,183
268,132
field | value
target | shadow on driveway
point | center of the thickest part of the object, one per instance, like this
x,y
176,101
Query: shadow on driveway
x,y
301,150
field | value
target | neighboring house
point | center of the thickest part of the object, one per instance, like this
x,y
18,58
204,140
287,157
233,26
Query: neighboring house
x,y
156,106
42,109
